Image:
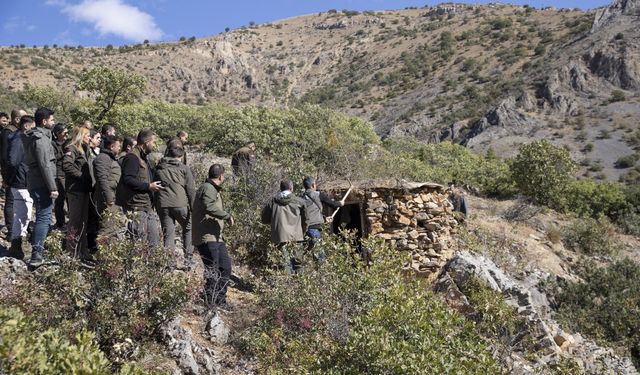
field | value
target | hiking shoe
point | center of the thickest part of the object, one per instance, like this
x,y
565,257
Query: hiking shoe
x,y
36,258
15,251
88,263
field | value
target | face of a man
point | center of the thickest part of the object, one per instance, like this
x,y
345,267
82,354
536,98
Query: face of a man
x,y
29,125
150,145
49,123
184,138
115,147
4,121
111,132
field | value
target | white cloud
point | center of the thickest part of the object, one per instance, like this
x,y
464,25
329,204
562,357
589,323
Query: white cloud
x,y
113,17
12,24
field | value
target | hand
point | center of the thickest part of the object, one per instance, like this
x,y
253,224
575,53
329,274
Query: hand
x,y
231,221
155,186
54,194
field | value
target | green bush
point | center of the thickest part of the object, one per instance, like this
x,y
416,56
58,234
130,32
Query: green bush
x,y
302,139
345,318
496,318
445,162
129,295
605,306
590,237
588,198
26,349
617,96
626,161
543,171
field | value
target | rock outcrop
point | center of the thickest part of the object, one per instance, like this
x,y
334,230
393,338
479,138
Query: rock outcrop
x,y
191,358
505,119
533,306
606,15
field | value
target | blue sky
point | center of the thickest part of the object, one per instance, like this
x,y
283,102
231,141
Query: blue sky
x,y
117,22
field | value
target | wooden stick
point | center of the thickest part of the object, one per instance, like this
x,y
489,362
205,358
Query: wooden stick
x,y
344,199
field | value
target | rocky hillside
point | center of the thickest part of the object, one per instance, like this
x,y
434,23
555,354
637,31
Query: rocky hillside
x,y
488,76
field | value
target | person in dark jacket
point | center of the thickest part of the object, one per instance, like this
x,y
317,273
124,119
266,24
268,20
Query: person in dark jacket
x,y
41,178
107,173
60,133
209,218
173,202
5,133
244,159
136,188
79,186
128,144
315,220
287,215
17,174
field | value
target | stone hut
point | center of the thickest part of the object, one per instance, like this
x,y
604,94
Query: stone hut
x,y
411,216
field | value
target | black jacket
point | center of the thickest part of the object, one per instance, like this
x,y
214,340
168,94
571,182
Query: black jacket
x,y
133,192
16,165
5,134
77,169
58,148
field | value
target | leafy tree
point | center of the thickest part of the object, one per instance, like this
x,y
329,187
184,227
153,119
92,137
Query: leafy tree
x,y
543,171
111,87
68,108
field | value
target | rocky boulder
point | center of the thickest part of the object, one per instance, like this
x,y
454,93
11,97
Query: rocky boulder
x,y
533,306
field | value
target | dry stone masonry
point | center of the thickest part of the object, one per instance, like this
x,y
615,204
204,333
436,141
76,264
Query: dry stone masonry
x,y
415,217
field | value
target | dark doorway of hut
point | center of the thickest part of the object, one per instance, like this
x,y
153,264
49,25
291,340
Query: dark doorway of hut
x,y
350,217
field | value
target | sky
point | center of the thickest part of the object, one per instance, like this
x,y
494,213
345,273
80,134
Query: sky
x,y
118,22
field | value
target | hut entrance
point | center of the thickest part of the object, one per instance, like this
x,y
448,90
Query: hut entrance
x,y
350,216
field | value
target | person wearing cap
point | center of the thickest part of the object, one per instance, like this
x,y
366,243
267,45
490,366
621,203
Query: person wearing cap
x,y
59,142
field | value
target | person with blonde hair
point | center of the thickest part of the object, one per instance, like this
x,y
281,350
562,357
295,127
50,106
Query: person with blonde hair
x,y
79,185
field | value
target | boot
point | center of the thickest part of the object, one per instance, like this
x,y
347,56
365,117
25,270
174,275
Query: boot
x,y
15,251
36,258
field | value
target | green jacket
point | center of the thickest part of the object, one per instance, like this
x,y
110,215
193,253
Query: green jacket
x,y
41,159
287,215
177,181
107,172
208,214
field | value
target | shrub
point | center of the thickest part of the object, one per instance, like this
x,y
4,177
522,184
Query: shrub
x,y
445,162
617,96
25,350
590,236
345,318
129,295
626,161
542,171
496,317
605,306
588,198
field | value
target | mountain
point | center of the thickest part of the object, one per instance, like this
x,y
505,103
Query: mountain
x,y
487,76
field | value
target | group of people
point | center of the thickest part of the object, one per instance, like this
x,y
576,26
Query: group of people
x,y
89,183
